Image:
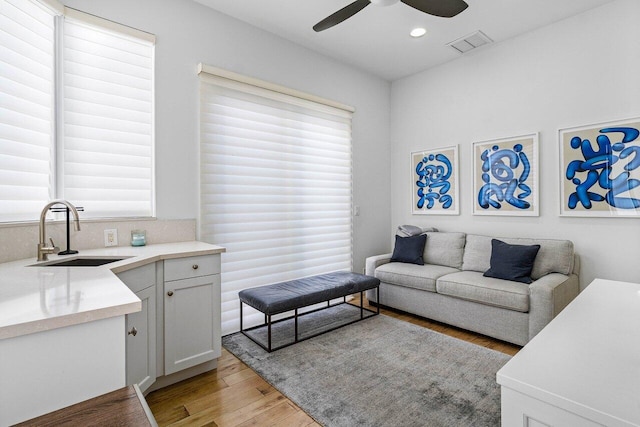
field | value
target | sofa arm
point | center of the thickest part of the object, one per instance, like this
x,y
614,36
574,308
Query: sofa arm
x,y
374,262
547,297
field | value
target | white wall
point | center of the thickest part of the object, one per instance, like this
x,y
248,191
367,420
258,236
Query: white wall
x,y
189,33
578,71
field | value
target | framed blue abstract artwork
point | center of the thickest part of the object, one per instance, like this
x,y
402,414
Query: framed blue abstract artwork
x,y
434,181
600,170
505,176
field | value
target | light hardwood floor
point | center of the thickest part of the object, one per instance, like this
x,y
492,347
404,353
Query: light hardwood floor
x,y
233,395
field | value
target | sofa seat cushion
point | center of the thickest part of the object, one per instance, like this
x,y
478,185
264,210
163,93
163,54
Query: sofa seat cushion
x,y
421,277
473,286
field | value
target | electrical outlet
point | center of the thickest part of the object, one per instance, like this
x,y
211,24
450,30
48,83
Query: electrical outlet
x,y
111,237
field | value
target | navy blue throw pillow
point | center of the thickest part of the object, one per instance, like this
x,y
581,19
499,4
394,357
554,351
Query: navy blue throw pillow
x,y
409,249
512,262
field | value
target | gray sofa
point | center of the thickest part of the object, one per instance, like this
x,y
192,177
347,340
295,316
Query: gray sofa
x,y
451,288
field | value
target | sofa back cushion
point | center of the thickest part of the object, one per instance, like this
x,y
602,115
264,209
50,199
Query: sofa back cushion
x,y
444,248
554,256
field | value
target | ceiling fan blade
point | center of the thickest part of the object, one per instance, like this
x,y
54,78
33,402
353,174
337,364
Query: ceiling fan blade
x,y
341,15
442,8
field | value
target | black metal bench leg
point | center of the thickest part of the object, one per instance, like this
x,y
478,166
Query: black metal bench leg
x,y
296,324
378,298
241,316
361,305
269,332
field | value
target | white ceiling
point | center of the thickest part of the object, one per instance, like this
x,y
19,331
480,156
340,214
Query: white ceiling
x,y
377,38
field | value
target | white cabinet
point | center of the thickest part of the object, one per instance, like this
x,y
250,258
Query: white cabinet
x,y
583,368
48,370
192,331
141,327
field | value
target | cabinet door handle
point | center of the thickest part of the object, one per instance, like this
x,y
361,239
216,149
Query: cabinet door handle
x,y
170,293
194,266
133,331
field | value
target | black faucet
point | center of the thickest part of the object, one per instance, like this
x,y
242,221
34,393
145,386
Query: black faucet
x,y
68,251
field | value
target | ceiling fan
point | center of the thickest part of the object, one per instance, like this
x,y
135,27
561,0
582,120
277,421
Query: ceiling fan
x,y
442,8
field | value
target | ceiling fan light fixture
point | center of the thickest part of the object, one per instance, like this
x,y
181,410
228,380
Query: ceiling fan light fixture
x,y
418,32
442,8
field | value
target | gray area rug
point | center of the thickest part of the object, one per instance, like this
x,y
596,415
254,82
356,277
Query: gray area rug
x,y
381,372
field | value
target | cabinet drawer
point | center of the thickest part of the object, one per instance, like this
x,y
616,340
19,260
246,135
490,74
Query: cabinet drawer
x,y
195,266
139,278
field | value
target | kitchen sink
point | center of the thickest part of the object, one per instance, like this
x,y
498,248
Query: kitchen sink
x,y
80,262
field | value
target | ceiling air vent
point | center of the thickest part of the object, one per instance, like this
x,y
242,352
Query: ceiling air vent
x,y
470,41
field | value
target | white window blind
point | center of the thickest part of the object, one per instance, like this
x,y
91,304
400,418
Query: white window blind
x,y
108,120
27,66
275,187
76,112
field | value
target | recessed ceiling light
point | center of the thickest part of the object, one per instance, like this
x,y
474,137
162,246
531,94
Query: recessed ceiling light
x,y
418,32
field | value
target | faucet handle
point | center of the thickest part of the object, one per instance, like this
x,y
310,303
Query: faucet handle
x,y
53,246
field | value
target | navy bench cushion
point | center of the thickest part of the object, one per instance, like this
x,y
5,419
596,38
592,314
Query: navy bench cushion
x,y
286,296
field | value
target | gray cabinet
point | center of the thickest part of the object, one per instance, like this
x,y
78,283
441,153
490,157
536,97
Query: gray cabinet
x,y
141,341
141,327
179,324
192,331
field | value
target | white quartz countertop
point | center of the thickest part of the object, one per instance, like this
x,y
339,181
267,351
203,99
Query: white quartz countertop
x,y
40,298
587,360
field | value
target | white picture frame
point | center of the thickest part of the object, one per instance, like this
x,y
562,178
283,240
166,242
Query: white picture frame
x,y
434,181
505,176
600,169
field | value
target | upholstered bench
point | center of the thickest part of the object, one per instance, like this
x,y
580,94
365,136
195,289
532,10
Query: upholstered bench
x,y
296,294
